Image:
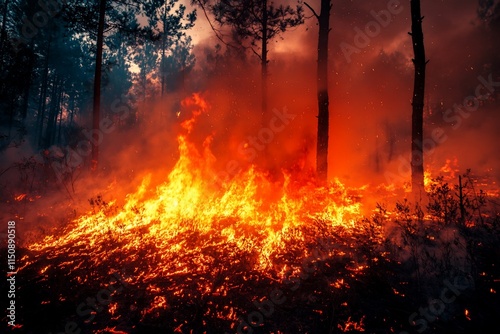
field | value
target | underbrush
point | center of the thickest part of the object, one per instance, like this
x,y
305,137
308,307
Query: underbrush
x,y
425,267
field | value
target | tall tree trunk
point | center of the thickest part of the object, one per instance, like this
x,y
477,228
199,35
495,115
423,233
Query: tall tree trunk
x,y
71,107
3,32
143,79
323,99
162,65
57,110
417,154
43,95
163,69
27,85
52,116
97,86
57,139
264,58
26,98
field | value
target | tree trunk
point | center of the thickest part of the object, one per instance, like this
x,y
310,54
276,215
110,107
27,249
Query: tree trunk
x,y
27,86
323,99
143,79
97,86
71,108
52,116
264,59
164,43
57,139
3,33
43,95
58,110
417,154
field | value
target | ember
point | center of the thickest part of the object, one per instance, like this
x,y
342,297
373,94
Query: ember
x,y
233,166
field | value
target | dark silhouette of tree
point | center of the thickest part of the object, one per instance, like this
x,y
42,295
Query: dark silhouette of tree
x,y
489,12
420,63
179,63
64,64
96,110
257,22
25,48
117,78
146,59
15,71
81,18
3,30
322,82
168,22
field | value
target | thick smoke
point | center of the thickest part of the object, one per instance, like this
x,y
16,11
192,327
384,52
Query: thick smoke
x,y
370,105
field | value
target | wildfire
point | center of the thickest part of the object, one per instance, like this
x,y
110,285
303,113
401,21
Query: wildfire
x,y
191,213
450,168
198,241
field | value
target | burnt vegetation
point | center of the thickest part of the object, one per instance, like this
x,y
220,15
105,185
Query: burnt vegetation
x,y
114,77
370,278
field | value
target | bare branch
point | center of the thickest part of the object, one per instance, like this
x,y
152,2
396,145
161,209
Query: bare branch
x,y
256,53
312,10
215,30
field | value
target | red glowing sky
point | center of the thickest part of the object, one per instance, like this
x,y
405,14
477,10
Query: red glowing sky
x,y
370,94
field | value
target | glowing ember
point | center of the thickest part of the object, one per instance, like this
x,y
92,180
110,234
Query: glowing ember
x,y
20,197
190,212
189,247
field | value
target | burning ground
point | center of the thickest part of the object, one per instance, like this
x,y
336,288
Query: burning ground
x,y
205,215
258,253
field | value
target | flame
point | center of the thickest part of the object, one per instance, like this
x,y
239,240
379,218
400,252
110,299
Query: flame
x,y
351,325
191,213
427,180
112,330
20,197
183,239
450,168
201,107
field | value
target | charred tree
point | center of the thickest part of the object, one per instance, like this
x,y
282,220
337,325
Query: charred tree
x,y
52,112
256,22
264,61
163,55
97,85
322,85
420,63
3,31
43,93
29,58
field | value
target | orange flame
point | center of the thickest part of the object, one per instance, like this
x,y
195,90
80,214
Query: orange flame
x,y
19,198
249,212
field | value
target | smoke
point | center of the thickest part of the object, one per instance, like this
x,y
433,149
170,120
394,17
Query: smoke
x,y
371,95
370,107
